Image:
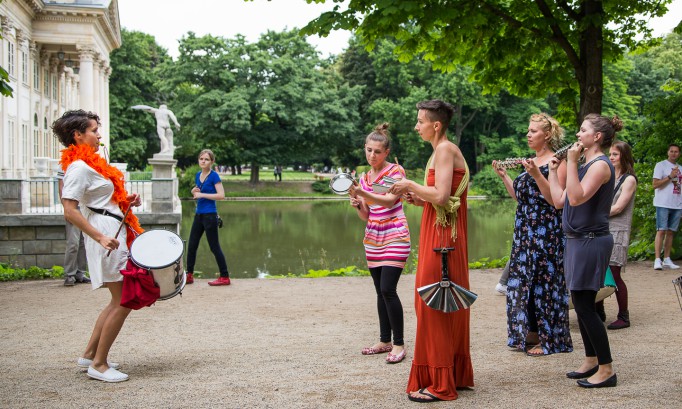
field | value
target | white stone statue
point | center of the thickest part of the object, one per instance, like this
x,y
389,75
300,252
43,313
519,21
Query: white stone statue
x,y
163,117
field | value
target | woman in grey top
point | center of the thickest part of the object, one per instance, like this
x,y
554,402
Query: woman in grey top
x,y
587,202
620,220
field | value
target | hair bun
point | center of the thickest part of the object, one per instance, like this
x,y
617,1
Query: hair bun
x,y
382,128
617,123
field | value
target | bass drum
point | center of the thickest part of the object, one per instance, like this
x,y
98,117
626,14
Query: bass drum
x,y
160,252
606,291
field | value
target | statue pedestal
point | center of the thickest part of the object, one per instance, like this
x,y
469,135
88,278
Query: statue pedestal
x,y
164,185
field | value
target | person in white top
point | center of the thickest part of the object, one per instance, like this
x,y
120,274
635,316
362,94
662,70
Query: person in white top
x,y
668,203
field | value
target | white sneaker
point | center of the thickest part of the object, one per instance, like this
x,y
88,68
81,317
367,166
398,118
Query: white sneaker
x,y
668,263
657,264
501,289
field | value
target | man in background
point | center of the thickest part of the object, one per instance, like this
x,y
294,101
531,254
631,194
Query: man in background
x,y
75,262
668,204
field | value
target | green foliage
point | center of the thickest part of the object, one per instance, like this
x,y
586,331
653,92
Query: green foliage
x,y
134,74
7,273
662,125
353,271
486,262
350,271
526,48
321,186
273,101
5,89
186,181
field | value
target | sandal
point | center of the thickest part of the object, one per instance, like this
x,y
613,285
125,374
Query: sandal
x,y
535,350
423,391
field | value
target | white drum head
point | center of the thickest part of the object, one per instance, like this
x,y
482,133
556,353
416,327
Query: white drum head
x,y
341,183
155,249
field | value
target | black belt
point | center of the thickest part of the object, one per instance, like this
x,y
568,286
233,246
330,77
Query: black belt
x,y
590,235
105,212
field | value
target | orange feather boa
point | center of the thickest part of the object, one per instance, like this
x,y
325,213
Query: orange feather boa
x,y
100,165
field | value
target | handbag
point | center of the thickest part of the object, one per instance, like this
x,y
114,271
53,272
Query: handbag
x,y
220,223
139,289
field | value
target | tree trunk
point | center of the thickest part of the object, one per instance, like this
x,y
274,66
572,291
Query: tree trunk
x,y
233,170
239,169
591,79
254,173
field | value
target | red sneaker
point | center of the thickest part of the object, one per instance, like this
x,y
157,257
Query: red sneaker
x,y
190,278
220,281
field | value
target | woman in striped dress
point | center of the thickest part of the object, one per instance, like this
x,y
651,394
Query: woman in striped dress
x,y
387,241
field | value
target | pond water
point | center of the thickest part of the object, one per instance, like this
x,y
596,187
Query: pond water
x,y
281,237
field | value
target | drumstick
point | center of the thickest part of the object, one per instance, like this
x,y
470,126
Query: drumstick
x,y
120,226
396,160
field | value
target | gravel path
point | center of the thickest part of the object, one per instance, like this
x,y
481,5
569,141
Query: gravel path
x,y
295,343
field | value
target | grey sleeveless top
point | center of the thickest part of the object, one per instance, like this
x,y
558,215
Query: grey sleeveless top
x,y
593,215
623,220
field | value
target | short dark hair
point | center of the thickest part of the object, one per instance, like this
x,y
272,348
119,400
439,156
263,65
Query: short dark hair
x,y
438,110
65,127
675,145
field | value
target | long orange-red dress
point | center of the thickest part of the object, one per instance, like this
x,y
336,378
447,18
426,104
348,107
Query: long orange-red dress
x,y
442,360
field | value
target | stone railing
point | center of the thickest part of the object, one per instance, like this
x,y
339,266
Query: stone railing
x,y
32,222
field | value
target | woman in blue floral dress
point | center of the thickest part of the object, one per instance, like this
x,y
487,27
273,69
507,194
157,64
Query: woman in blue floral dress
x,y
537,299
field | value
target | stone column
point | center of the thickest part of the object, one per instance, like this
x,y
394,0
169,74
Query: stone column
x,y
86,55
21,165
96,84
5,171
68,84
54,111
164,186
105,101
44,100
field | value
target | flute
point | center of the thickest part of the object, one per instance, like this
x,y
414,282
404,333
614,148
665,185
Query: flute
x,y
510,163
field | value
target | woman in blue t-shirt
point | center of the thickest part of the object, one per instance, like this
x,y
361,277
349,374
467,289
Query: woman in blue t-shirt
x,y
208,189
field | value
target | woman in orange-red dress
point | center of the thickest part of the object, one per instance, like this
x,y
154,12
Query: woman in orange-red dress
x,y
442,361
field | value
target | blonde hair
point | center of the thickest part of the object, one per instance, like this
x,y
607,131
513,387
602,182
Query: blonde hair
x,y
552,129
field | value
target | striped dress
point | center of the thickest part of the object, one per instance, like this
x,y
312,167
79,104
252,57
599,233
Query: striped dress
x,y
387,238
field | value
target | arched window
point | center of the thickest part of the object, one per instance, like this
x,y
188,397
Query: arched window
x,y
35,119
45,123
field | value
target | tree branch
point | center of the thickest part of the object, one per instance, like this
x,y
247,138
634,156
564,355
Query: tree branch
x,y
569,11
559,36
511,20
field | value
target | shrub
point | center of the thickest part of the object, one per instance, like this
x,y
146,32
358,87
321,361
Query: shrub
x,y
186,181
321,186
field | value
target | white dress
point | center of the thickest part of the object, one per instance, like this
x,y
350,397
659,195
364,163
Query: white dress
x,y
90,189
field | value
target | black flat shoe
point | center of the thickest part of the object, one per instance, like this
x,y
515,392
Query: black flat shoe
x,y
581,375
611,382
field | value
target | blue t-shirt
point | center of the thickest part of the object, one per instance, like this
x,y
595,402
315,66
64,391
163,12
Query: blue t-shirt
x,y
207,205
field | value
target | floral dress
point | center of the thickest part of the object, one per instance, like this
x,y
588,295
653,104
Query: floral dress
x,y
536,271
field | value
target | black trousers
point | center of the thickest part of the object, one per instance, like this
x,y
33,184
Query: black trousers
x,y
205,222
592,329
388,304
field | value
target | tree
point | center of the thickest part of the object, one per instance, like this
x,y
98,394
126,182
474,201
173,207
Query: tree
x,y
133,78
527,48
270,102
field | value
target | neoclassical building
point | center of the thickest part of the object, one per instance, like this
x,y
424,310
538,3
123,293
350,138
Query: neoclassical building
x,y
56,53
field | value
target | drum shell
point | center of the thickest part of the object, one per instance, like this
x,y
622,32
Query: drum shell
x,y
160,251
171,280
